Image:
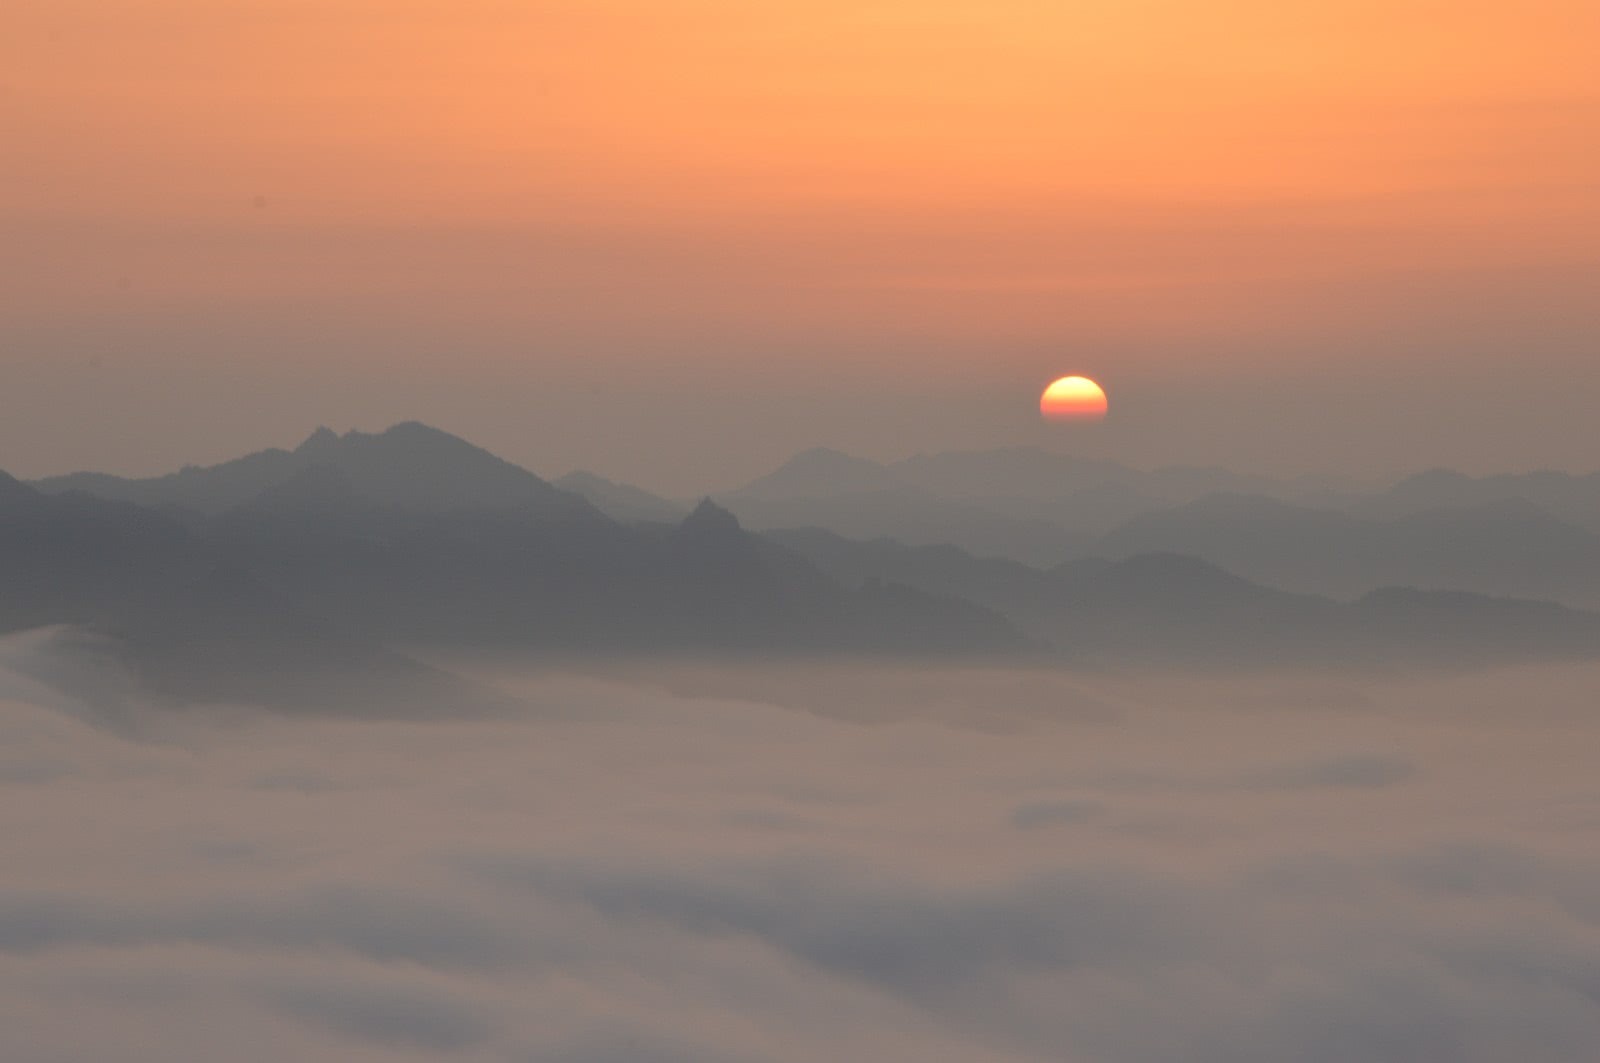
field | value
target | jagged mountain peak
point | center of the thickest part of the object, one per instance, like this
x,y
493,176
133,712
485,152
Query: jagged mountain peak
x,y
319,442
414,466
13,488
710,519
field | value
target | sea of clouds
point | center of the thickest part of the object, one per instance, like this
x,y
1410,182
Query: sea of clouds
x,y
666,863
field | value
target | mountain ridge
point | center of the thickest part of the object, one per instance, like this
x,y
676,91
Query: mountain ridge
x,y
412,536
410,465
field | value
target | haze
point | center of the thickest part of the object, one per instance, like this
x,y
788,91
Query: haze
x,y
673,863
676,246
527,533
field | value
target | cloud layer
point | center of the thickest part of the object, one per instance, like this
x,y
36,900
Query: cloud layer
x,y
781,865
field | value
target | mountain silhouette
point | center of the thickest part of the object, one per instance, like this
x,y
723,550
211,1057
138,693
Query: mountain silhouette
x,y
410,466
620,502
1505,547
414,467
227,637
861,499
299,578
412,538
15,495
1022,503
316,489
823,471
1575,499
1172,609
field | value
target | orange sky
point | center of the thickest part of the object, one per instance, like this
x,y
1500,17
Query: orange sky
x,y
881,185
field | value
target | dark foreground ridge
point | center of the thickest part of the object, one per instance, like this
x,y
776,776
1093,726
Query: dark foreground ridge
x,y
298,578
284,575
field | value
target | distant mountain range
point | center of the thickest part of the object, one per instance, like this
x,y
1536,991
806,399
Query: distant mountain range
x,y
1505,546
1535,535
410,467
263,577
301,578
622,502
1173,609
1023,503
862,499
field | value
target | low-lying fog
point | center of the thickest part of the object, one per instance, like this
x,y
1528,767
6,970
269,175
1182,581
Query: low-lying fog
x,y
802,864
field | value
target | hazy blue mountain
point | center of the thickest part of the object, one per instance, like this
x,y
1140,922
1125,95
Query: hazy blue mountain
x,y
15,493
1170,609
1030,475
822,471
227,637
1041,507
709,583
1455,627
500,580
409,466
293,597
350,546
1575,499
621,502
61,557
207,489
316,489
1023,593
1022,472
918,518
1021,503
1164,608
1506,547
1082,494
414,467
862,499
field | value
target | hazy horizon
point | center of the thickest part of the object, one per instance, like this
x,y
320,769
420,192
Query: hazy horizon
x,y
1222,745
1048,438
675,246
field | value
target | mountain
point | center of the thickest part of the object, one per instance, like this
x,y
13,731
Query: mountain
x,y
822,471
709,584
1021,592
1506,547
329,564
858,498
209,489
1456,627
1042,507
1022,503
1082,494
303,594
1176,610
15,495
227,637
410,467
316,489
414,467
1575,499
913,517
62,556
620,502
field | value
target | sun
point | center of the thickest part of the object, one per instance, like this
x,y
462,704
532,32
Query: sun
x,y
1073,398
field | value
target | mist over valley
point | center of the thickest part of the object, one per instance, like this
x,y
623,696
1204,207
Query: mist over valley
x,y
384,748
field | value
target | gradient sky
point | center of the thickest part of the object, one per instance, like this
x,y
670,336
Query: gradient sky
x,y
674,242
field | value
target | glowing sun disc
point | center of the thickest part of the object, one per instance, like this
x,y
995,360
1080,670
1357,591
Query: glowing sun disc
x,y
1073,398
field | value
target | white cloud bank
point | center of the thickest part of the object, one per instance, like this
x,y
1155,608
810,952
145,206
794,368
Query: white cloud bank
x,y
801,864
